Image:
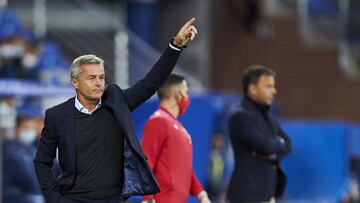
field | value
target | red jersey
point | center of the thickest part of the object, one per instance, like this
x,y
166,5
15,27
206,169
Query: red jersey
x,y
168,147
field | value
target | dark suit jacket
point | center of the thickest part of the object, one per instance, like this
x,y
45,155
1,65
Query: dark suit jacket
x,y
258,149
59,132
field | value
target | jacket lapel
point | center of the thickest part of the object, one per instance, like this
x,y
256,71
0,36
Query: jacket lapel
x,y
138,179
70,132
121,113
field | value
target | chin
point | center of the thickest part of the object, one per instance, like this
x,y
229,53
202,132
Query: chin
x,y
97,97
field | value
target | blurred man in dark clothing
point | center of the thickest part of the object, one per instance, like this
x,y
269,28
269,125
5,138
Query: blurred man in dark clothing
x,y
258,141
20,183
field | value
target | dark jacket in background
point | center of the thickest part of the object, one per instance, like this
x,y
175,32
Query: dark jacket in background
x,y
19,179
255,138
59,132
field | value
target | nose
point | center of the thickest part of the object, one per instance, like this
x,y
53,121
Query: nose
x,y
97,81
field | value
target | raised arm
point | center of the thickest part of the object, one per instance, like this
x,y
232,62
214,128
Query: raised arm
x,y
145,88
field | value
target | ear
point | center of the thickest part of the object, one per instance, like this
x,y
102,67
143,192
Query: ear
x,y
74,83
252,89
175,94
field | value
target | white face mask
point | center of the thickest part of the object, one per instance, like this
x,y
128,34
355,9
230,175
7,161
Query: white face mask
x,y
29,61
27,136
9,51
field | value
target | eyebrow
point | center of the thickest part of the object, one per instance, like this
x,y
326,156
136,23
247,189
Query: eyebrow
x,y
97,75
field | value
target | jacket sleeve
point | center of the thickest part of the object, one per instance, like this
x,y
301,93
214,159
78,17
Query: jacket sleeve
x,y
196,187
288,146
243,127
44,160
152,143
145,88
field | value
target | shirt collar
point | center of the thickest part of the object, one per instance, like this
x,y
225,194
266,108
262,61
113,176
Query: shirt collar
x,y
82,109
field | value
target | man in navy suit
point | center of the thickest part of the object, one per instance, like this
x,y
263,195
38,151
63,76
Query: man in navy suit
x,y
258,141
99,153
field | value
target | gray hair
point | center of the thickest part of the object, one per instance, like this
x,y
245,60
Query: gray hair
x,y
81,60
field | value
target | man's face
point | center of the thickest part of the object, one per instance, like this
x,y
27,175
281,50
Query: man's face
x,y
90,82
27,124
264,91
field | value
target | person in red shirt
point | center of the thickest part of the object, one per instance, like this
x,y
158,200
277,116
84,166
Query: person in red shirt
x,y
168,147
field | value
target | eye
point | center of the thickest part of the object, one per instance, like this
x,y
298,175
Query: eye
x,y
91,78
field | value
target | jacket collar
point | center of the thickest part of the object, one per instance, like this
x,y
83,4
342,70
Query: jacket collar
x,y
82,108
262,108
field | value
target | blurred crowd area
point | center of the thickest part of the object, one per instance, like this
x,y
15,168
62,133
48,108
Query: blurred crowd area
x,y
20,127
24,55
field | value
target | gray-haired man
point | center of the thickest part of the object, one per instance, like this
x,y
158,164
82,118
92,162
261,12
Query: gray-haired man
x,y
99,153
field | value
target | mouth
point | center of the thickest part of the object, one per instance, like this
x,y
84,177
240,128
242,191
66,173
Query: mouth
x,y
97,91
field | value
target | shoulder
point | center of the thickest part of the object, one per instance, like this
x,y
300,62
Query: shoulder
x,y
61,108
112,87
112,90
159,117
13,150
10,144
240,113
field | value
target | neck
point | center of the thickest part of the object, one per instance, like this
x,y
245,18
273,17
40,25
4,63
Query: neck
x,y
171,106
88,104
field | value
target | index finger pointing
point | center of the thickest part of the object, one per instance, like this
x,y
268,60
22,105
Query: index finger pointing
x,y
190,22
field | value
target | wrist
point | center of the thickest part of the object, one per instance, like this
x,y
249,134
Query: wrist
x,y
177,43
202,194
149,201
